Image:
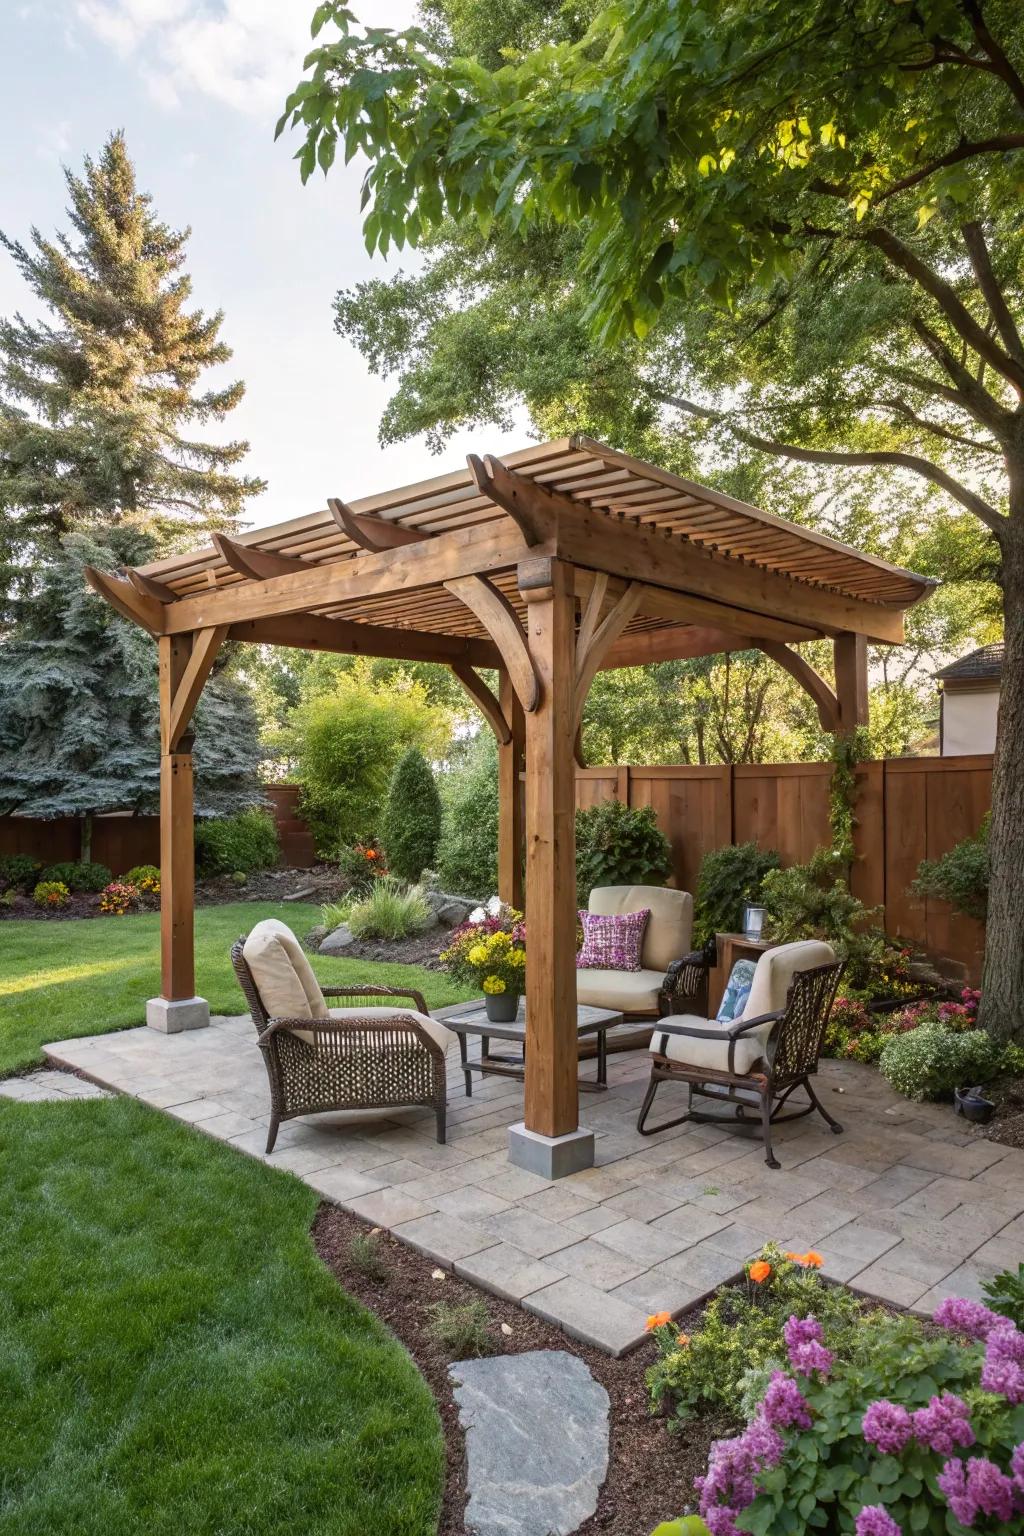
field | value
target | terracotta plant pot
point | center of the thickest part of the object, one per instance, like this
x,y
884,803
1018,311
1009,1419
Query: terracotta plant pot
x,y
502,1008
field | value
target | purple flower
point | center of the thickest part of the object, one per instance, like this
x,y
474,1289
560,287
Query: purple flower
x,y
802,1330
990,1489
733,1466
875,1520
970,1318
1017,1467
1003,1370
952,1481
784,1404
805,1358
944,1424
887,1426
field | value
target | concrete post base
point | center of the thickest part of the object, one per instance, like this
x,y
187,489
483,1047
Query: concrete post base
x,y
171,1018
551,1157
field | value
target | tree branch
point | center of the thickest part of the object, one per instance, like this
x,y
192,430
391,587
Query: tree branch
x,y
923,467
963,151
946,297
973,396
902,409
992,50
977,250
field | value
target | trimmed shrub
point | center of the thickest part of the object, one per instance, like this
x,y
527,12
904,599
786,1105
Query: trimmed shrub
x,y
79,877
144,877
19,869
728,877
411,828
467,855
930,1061
229,844
390,911
619,845
51,893
959,876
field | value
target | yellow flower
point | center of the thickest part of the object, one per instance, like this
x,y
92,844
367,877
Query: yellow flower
x,y
499,941
493,985
477,955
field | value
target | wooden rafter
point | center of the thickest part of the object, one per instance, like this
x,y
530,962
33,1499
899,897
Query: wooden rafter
x,y
533,512
126,600
372,533
501,622
256,564
484,700
149,586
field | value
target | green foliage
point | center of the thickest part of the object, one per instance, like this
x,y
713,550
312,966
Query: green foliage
x,y
390,911
145,878
728,877
689,1525
19,869
932,1060
334,913
461,1329
832,1470
360,864
365,1253
79,714
104,396
848,749
740,1338
51,893
1004,1294
346,745
959,876
411,826
467,857
79,877
814,901
618,844
241,843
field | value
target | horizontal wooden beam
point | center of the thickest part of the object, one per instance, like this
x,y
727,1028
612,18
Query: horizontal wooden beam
x,y
476,550
682,608
649,646
308,631
635,552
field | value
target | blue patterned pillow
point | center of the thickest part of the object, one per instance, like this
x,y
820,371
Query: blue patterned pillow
x,y
737,990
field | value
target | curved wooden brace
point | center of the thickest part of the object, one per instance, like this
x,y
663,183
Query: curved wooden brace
x,y
372,533
810,681
501,622
484,699
205,646
126,600
257,564
600,638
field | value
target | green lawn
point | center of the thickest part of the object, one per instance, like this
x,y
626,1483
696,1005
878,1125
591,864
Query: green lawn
x,y
174,1360
65,978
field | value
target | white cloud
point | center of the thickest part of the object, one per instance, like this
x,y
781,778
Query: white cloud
x,y
244,53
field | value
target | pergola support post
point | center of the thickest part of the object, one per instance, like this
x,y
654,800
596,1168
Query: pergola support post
x,y
178,1008
510,797
549,1141
850,652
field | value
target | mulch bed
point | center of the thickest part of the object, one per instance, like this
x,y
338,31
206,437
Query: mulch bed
x,y
1007,1124
650,1472
319,884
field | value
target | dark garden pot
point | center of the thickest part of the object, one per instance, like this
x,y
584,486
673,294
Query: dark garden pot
x,y
970,1103
503,1008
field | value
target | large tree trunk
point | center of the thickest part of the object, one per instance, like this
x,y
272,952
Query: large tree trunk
x,y
1003,980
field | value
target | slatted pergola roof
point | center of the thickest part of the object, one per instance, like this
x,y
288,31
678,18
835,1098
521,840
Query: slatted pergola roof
x,y
547,565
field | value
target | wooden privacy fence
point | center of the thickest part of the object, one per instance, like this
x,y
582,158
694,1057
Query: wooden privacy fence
x,y
908,809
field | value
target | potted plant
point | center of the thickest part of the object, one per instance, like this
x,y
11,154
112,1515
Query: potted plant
x,y
491,955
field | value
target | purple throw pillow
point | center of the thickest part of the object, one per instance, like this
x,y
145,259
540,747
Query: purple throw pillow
x,y
612,943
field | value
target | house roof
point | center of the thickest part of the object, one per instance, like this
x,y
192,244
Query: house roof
x,y
986,662
628,492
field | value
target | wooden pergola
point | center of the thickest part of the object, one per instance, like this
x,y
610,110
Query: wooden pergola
x,y
546,566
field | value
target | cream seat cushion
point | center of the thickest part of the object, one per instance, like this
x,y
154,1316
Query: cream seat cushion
x,y
433,1027
772,981
669,930
625,991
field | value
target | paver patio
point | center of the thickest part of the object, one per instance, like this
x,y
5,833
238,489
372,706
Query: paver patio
x,y
903,1206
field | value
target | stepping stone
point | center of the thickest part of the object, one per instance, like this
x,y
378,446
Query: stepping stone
x,y
536,1430
48,1087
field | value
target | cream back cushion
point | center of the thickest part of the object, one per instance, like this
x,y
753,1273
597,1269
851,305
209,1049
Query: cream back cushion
x,y
776,969
669,927
284,977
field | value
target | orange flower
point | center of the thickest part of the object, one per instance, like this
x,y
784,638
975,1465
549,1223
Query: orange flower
x,y
371,853
759,1271
813,1260
657,1320
682,1340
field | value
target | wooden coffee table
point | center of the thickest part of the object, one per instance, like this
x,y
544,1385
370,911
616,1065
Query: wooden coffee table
x,y
466,1019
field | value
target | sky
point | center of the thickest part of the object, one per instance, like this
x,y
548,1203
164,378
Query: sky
x,y
197,86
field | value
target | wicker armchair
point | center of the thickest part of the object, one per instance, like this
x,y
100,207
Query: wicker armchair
x,y
366,1055
758,1060
640,996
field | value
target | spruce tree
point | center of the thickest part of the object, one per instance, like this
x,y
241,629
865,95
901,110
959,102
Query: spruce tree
x,y
412,817
79,714
99,401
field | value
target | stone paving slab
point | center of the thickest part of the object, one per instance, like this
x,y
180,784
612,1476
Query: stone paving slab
x,y
904,1205
49,1087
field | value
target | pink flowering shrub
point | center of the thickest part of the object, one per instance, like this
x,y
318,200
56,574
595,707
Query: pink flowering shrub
x,y
912,1433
